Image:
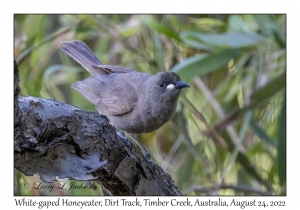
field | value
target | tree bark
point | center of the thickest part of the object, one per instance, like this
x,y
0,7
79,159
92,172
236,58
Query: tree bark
x,y
52,139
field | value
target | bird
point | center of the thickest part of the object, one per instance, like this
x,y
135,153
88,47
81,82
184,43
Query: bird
x,y
134,102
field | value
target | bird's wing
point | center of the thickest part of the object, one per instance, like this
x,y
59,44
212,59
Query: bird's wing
x,y
80,52
115,69
112,94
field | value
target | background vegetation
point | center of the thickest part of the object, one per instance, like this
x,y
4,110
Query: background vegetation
x,y
228,136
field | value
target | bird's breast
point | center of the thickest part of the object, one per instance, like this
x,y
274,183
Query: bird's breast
x,y
154,118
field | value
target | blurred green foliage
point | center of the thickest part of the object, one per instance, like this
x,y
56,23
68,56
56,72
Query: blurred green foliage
x,y
228,136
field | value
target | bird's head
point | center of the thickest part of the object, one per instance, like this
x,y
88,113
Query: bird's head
x,y
166,86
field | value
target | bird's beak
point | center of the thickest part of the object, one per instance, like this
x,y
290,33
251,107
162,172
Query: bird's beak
x,y
181,84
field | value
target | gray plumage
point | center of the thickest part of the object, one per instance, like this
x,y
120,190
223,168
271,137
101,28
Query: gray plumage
x,y
134,102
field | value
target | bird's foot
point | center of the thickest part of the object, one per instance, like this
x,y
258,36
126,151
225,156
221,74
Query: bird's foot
x,y
146,153
121,134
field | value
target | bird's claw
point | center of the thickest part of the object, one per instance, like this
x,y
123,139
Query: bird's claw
x,y
126,141
146,153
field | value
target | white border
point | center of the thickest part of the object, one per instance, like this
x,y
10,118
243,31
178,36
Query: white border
x,y
8,8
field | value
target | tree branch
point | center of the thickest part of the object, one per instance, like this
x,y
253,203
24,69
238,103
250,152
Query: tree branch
x,y
52,139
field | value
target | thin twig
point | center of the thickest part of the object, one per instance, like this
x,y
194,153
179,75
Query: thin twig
x,y
202,87
171,153
30,50
211,129
237,146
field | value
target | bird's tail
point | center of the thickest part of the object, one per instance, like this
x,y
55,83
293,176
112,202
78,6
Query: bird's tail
x,y
80,52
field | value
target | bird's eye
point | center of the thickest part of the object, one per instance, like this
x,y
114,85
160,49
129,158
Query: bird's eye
x,y
161,84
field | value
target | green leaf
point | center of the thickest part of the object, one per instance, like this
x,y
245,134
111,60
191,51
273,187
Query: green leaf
x,y
279,38
83,28
129,32
262,134
236,23
265,93
192,41
202,64
232,40
282,144
185,171
163,29
272,173
49,38
210,22
158,52
57,68
270,28
235,152
245,162
257,98
256,149
266,25
268,90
